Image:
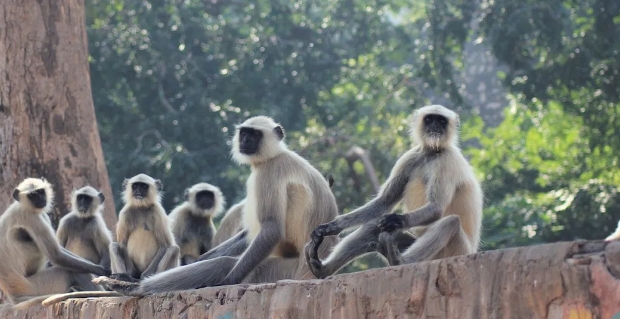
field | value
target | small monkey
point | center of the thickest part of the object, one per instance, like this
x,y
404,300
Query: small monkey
x,y
192,223
145,244
286,199
83,231
29,241
231,224
438,188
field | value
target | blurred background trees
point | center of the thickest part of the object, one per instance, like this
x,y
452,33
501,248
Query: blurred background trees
x,y
536,84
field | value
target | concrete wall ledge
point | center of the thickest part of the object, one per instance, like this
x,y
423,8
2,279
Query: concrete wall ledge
x,y
562,280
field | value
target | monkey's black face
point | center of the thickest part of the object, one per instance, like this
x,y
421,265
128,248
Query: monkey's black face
x,y
205,199
38,198
83,203
435,125
249,140
140,190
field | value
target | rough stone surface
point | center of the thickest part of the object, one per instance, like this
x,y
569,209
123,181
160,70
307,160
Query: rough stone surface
x,y
562,280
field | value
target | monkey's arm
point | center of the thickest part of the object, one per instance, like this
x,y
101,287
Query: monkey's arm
x,y
234,246
271,213
102,243
62,233
440,192
48,243
268,237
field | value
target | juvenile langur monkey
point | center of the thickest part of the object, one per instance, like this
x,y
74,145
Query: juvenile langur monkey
x,y
286,199
192,223
231,224
145,244
29,241
83,231
437,187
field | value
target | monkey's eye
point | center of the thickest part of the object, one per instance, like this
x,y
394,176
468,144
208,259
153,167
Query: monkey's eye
x,y
428,120
443,121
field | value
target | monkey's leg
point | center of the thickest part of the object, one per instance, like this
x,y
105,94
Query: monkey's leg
x,y
391,245
362,241
187,259
83,282
444,232
52,280
152,267
170,259
119,260
234,246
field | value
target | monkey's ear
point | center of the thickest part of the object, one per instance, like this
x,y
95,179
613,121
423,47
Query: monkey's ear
x,y
101,197
16,194
43,179
125,181
159,185
457,120
186,194
279,132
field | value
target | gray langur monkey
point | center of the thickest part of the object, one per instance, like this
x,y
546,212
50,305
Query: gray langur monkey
x,y
437,188
192,221
29,241
286,199
144,242
83,231
615,235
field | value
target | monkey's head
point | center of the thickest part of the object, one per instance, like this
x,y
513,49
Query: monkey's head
x,y
142,190
257,139
435,127
35,193
205,199
87,201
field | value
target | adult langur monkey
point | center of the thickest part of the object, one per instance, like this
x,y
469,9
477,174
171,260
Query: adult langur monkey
x,y
192,221
437,187
83,231
286,199
29,241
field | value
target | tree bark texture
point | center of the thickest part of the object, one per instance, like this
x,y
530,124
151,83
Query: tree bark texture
x,y
563,280
47,118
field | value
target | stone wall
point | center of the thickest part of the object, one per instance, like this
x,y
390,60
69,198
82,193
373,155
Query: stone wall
x,y
562,280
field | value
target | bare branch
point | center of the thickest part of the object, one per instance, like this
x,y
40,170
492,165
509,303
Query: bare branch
x,y
358,153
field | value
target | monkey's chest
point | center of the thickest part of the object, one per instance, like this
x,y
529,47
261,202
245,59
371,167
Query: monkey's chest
x,y
141,248
83,248
415,195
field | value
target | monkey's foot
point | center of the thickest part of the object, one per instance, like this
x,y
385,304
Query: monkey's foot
x,y
314,263
127,288
123,277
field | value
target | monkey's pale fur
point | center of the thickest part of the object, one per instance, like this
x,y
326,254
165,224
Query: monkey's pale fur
x,y
29,242
439,192
144,238
193,226
231,224
85,233
615,235
286,199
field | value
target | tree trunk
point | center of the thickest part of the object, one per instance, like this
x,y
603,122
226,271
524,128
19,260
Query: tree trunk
x,y
47,118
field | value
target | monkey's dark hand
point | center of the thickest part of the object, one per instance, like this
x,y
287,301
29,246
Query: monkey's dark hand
x,y
321,231
106,271
391,222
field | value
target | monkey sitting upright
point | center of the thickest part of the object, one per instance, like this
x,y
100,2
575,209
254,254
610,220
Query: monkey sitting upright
x,y
145,244
83,231
29,241
231,224
192,223
437,187
286,199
